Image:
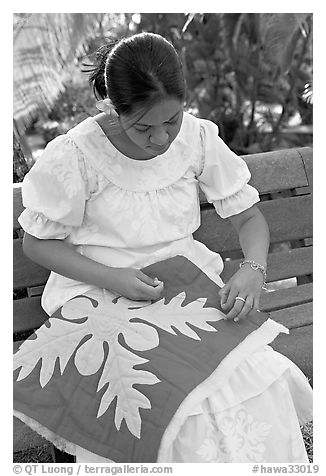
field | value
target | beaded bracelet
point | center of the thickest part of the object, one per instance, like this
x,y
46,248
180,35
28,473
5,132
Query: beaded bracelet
x,y
256,267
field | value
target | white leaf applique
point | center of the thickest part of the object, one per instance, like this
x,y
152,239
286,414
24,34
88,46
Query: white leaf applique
x,y
45,347
104,321
173,314
129,400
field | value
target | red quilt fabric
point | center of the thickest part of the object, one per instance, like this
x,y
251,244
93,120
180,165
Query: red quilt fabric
x,y
108,374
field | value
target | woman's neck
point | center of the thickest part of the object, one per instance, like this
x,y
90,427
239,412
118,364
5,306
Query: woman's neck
x,y
121,141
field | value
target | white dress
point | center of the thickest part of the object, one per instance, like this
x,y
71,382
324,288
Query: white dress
x,y
131,213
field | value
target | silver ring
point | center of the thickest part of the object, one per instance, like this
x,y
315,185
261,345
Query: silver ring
x,y
240,298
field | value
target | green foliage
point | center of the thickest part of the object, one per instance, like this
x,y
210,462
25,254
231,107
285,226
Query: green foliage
x,y
239,66
251,73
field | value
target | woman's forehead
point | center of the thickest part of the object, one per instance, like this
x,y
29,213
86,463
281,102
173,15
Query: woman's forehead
x,y
161,112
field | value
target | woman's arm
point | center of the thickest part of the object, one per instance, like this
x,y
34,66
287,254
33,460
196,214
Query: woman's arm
x,y
247,283
60,257
253,234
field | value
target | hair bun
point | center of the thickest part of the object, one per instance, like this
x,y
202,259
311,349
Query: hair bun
x,y
96,70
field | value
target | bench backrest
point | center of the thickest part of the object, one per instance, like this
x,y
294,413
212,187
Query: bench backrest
x,y
284,181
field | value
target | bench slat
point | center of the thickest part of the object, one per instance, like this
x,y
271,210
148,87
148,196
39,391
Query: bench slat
x,y
297,346
280,265
17,205
296,316
284,298
288,219
28,314
26,273
307,157
277,170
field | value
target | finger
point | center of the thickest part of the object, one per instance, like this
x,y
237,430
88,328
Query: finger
x,y
235,310
246,308
256,303
159,291
150,292
157,282
231,301
223,293
146,279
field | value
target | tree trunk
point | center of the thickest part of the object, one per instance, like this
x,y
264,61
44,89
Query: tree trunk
x,y
19,164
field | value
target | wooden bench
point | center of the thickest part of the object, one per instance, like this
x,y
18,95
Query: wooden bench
x,y
284,181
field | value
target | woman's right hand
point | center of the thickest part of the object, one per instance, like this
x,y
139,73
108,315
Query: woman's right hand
x,y
61,258
134,284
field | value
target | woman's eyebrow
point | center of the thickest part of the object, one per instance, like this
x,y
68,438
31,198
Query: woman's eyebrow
x,y
175,115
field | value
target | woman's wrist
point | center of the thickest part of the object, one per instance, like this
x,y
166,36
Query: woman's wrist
x,y
254,265
108,278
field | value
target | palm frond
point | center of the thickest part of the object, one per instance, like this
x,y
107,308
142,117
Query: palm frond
x,y
279,32
45,44
307,94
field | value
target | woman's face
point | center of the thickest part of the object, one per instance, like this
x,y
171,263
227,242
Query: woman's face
x,y
157,128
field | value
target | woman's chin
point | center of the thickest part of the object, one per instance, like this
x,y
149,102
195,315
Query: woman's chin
x,y
159,150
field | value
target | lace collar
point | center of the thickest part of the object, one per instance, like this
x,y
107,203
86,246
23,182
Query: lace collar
x,y
131,174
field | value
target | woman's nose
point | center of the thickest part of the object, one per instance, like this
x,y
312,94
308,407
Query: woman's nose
x,y
159,136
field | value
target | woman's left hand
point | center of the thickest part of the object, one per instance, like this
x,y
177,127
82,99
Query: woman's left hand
x,y
246,283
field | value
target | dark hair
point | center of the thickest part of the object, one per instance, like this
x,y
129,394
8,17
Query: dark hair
x,y
140,70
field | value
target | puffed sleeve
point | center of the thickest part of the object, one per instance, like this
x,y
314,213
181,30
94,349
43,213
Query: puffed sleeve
x,y
224,176
54,191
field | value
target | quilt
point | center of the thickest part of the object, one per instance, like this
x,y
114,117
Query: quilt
x,y
118,377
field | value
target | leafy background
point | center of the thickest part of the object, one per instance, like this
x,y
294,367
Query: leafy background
x,y
250,73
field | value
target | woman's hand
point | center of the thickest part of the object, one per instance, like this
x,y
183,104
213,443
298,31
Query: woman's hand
x,y
62,258
134,284
247,284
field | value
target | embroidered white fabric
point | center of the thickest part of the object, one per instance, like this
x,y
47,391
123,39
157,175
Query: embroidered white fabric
x,y
125,212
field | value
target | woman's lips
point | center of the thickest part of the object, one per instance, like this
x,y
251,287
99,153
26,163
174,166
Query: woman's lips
x,y
159,148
